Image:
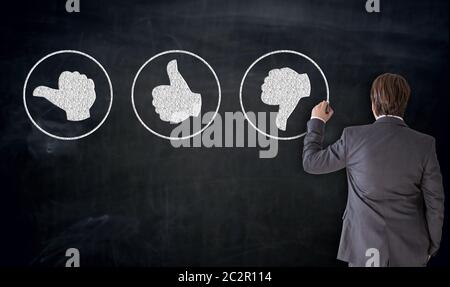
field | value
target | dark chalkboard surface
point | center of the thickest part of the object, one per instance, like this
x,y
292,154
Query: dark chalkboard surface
x,y
123,196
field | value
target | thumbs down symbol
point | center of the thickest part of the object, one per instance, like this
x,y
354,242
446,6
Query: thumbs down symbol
x,y
175,102
284,88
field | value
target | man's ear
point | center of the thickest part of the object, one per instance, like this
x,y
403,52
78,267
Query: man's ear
x,y
373,111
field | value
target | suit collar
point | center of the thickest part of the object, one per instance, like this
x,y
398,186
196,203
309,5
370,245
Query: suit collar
x,y
391,120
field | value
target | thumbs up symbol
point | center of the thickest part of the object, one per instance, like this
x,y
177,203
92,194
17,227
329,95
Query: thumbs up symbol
x,y
175,102
75,95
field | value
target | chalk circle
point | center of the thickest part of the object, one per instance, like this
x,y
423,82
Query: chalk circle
x,y
253,64
67,52
176,52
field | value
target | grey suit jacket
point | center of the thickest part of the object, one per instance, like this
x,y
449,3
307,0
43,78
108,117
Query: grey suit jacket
x,y
395,193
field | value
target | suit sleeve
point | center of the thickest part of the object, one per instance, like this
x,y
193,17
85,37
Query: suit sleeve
x,y
319,160
433,194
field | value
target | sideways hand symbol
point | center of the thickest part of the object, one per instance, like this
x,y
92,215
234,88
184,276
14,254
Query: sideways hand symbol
x,y
75,95
175,102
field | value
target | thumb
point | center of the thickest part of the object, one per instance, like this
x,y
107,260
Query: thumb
x,y
330,111
46,92
52,95
175,77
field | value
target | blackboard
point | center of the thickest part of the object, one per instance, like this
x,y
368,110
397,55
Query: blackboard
x,y
125,197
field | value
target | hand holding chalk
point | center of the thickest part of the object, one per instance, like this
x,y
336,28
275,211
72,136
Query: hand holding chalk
x,y
322,111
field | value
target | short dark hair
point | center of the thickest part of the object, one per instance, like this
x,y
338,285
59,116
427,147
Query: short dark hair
x,y
390,94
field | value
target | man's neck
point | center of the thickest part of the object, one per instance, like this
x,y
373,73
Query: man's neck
x,y
393,116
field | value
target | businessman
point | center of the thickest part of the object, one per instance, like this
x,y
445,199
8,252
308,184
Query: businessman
x,y
395,202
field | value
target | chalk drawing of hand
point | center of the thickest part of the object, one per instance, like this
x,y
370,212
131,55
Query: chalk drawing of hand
x,y
75,95
176,102
284,87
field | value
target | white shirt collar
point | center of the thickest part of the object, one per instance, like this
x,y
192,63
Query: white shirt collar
x,y
392,116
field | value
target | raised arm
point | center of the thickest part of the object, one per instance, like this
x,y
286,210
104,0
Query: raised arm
x,y
316,159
